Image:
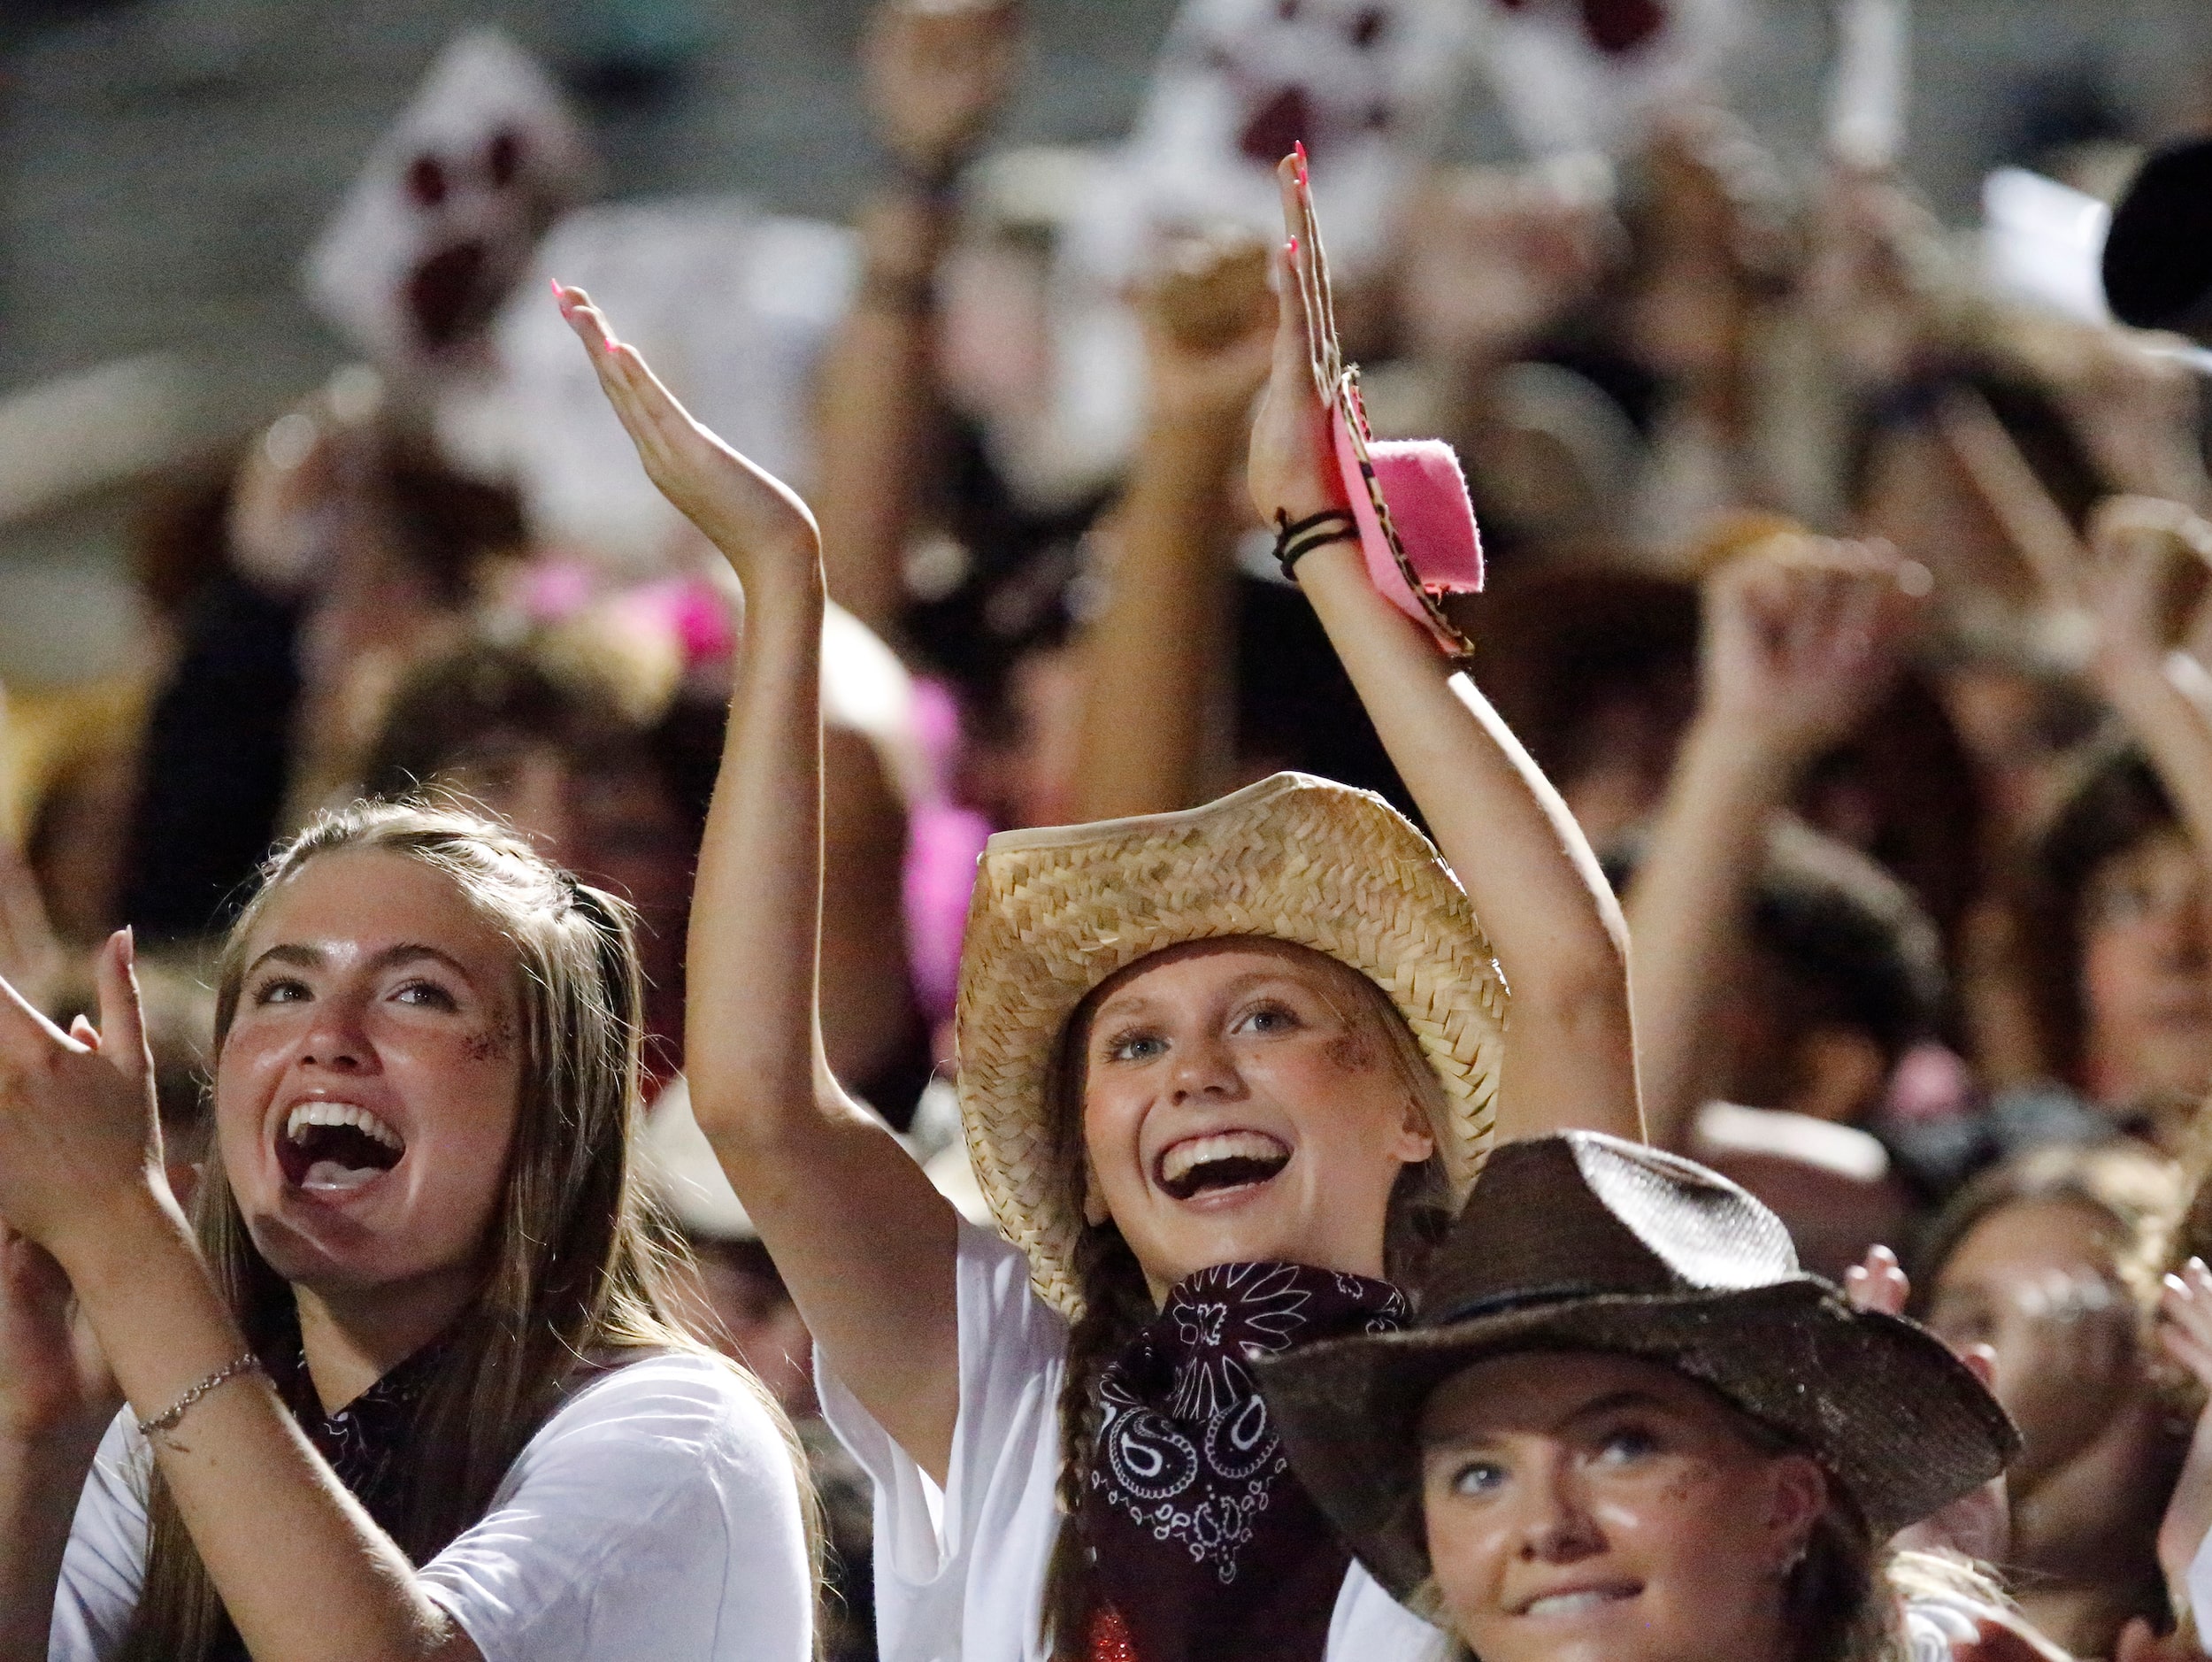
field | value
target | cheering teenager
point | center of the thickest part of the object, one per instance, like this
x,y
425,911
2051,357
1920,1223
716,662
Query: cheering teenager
x,y
1223,1075
409,1391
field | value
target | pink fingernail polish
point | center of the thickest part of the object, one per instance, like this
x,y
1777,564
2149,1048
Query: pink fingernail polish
x,y
1298,147
1294,248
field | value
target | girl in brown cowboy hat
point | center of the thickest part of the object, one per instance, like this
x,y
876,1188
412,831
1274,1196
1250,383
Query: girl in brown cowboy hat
x,y
1627,1426
1219,1072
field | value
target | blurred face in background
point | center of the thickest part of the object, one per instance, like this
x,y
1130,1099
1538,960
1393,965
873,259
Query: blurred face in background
x,y
2145,920
611,820
2036,1281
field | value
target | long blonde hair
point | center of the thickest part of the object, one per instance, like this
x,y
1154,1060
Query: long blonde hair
x,y
578,1259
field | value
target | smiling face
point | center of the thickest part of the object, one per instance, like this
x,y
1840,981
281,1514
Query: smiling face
x,y
1243,1100
1596,1508
366,1093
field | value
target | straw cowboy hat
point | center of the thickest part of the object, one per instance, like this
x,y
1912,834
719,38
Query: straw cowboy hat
x,y
1580,1241
1291,858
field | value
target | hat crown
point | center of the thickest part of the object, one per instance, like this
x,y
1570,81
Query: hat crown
x,y
1583,1215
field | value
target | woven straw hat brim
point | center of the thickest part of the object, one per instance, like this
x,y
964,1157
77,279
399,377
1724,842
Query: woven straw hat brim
x,y
1895,1417
1291,858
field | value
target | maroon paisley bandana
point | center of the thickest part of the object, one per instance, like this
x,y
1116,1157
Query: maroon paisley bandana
x,y
1205,1543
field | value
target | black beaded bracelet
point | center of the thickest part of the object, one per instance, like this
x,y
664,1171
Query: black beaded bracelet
x,y
1295,541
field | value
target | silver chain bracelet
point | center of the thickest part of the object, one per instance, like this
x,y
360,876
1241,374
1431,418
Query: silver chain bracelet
x,y
167,1418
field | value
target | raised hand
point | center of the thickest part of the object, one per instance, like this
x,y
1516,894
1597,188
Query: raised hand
x,y
78,1129
1293,471
32,957
1877,1284
1802,636
936,73
758,522
1207,318
2141,580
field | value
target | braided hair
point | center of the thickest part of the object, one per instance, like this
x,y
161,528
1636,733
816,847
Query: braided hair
x,y
1117,1301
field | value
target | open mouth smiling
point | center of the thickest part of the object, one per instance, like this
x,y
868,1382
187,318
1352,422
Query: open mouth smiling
x,y
1579,1601
1219,1162
333,1147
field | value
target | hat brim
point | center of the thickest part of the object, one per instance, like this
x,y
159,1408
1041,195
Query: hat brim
x,y
1292,858
1417,523
1899,1422
2158,258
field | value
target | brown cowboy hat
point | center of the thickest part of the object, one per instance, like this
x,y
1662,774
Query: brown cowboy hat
x,y
1581,1242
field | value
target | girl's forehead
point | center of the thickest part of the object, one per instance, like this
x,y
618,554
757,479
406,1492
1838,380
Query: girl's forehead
x,y
370,899
1195,965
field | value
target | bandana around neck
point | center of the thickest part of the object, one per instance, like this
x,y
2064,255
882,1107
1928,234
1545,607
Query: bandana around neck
x,y
1205,1543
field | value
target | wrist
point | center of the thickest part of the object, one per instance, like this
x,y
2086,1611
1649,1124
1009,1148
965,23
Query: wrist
x,y
1744,753
112,1239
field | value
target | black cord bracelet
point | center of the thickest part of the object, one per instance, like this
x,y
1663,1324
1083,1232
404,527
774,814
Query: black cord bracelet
x,y
1295,541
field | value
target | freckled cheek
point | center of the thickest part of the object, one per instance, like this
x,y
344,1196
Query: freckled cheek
x,y
1467,1552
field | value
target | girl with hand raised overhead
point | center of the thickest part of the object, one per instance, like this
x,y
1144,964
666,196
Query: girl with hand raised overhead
x,y
1223,1074
408,1390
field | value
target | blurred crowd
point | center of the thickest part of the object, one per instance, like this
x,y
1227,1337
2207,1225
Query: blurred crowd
x,y
1919,881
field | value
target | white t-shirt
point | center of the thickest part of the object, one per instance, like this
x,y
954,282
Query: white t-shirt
x,y
960,1572
655,1516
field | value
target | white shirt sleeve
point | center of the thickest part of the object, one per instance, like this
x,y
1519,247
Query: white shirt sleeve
x,y
959,1570
656,1516
104,1566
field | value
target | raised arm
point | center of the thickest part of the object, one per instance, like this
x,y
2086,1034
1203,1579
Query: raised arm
x,y
1799,641
2138,547
1551,918
866,1245
1155,659
934,75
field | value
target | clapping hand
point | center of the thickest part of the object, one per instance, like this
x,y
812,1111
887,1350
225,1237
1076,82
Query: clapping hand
x,y
758,522
77,1128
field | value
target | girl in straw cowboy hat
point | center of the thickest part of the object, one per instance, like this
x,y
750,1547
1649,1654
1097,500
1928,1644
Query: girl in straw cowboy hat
x,y
1627,1428
1222,1072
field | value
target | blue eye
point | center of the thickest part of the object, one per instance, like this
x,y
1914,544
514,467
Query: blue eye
x,y
1478,1477
1271,1019
1625,1445
426,994
1136,1046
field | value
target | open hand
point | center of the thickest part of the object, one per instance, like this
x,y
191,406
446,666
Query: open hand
x,y
1802,636
758,522
936,72
1293,471
78,1130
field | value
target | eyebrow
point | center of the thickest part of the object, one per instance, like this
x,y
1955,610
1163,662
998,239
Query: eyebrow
x,y
400,952
1130,1003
